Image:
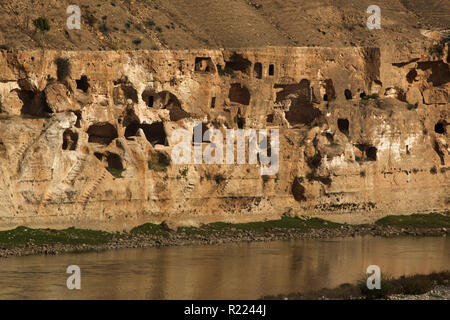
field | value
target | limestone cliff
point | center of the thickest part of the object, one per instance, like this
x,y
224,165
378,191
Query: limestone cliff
x,y
85,136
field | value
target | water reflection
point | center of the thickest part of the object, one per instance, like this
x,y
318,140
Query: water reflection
x,y
232,271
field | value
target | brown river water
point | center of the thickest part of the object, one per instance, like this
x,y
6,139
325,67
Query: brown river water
x,y
229,271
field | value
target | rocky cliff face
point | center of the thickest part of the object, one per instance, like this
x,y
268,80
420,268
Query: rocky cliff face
x,y
86,137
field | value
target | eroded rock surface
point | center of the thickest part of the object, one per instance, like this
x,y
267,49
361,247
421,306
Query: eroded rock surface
x,y
87,142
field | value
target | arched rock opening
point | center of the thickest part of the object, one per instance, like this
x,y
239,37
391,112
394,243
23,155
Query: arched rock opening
x,y
343,126
301,110
238,63
204,64
167,100
83,83
369,152
114,161
239,93
148,96
34,103
102,132
440,127
70,140
131,129
298,190
155,133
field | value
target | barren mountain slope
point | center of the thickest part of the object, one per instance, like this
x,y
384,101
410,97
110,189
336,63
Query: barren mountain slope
x,y
178,24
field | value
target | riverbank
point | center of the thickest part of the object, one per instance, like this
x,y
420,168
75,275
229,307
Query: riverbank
x,y
434,286
26,241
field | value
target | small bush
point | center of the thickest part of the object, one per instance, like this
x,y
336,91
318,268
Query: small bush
x,y
387,288
183,172
370,96
116,172
226,71
436,50
430,220
42,24
103,28
150,23
219,178
157,166
159,29
137,41
91,20
412,106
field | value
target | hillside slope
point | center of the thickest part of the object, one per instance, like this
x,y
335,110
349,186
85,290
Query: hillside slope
x,y
181,24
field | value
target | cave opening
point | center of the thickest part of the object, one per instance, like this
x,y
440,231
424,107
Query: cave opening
x,y
70,140
330,93
240,122
131,129
83,83
239,93
348,94
299,98
343,125
155,133
62,69
34,103
114,161
258,70
271,69
204,64
371,153
103,133
129,92
238,63
411,75
298,190
148,96
79,117
204,129
439,127
167,100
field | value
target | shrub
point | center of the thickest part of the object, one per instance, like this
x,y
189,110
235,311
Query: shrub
x,y
370,96
226,71
103,28
219,178
436,50
157,166
412,106
159,29
137,41
116,172
387,288
150,23
42,24
183,172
